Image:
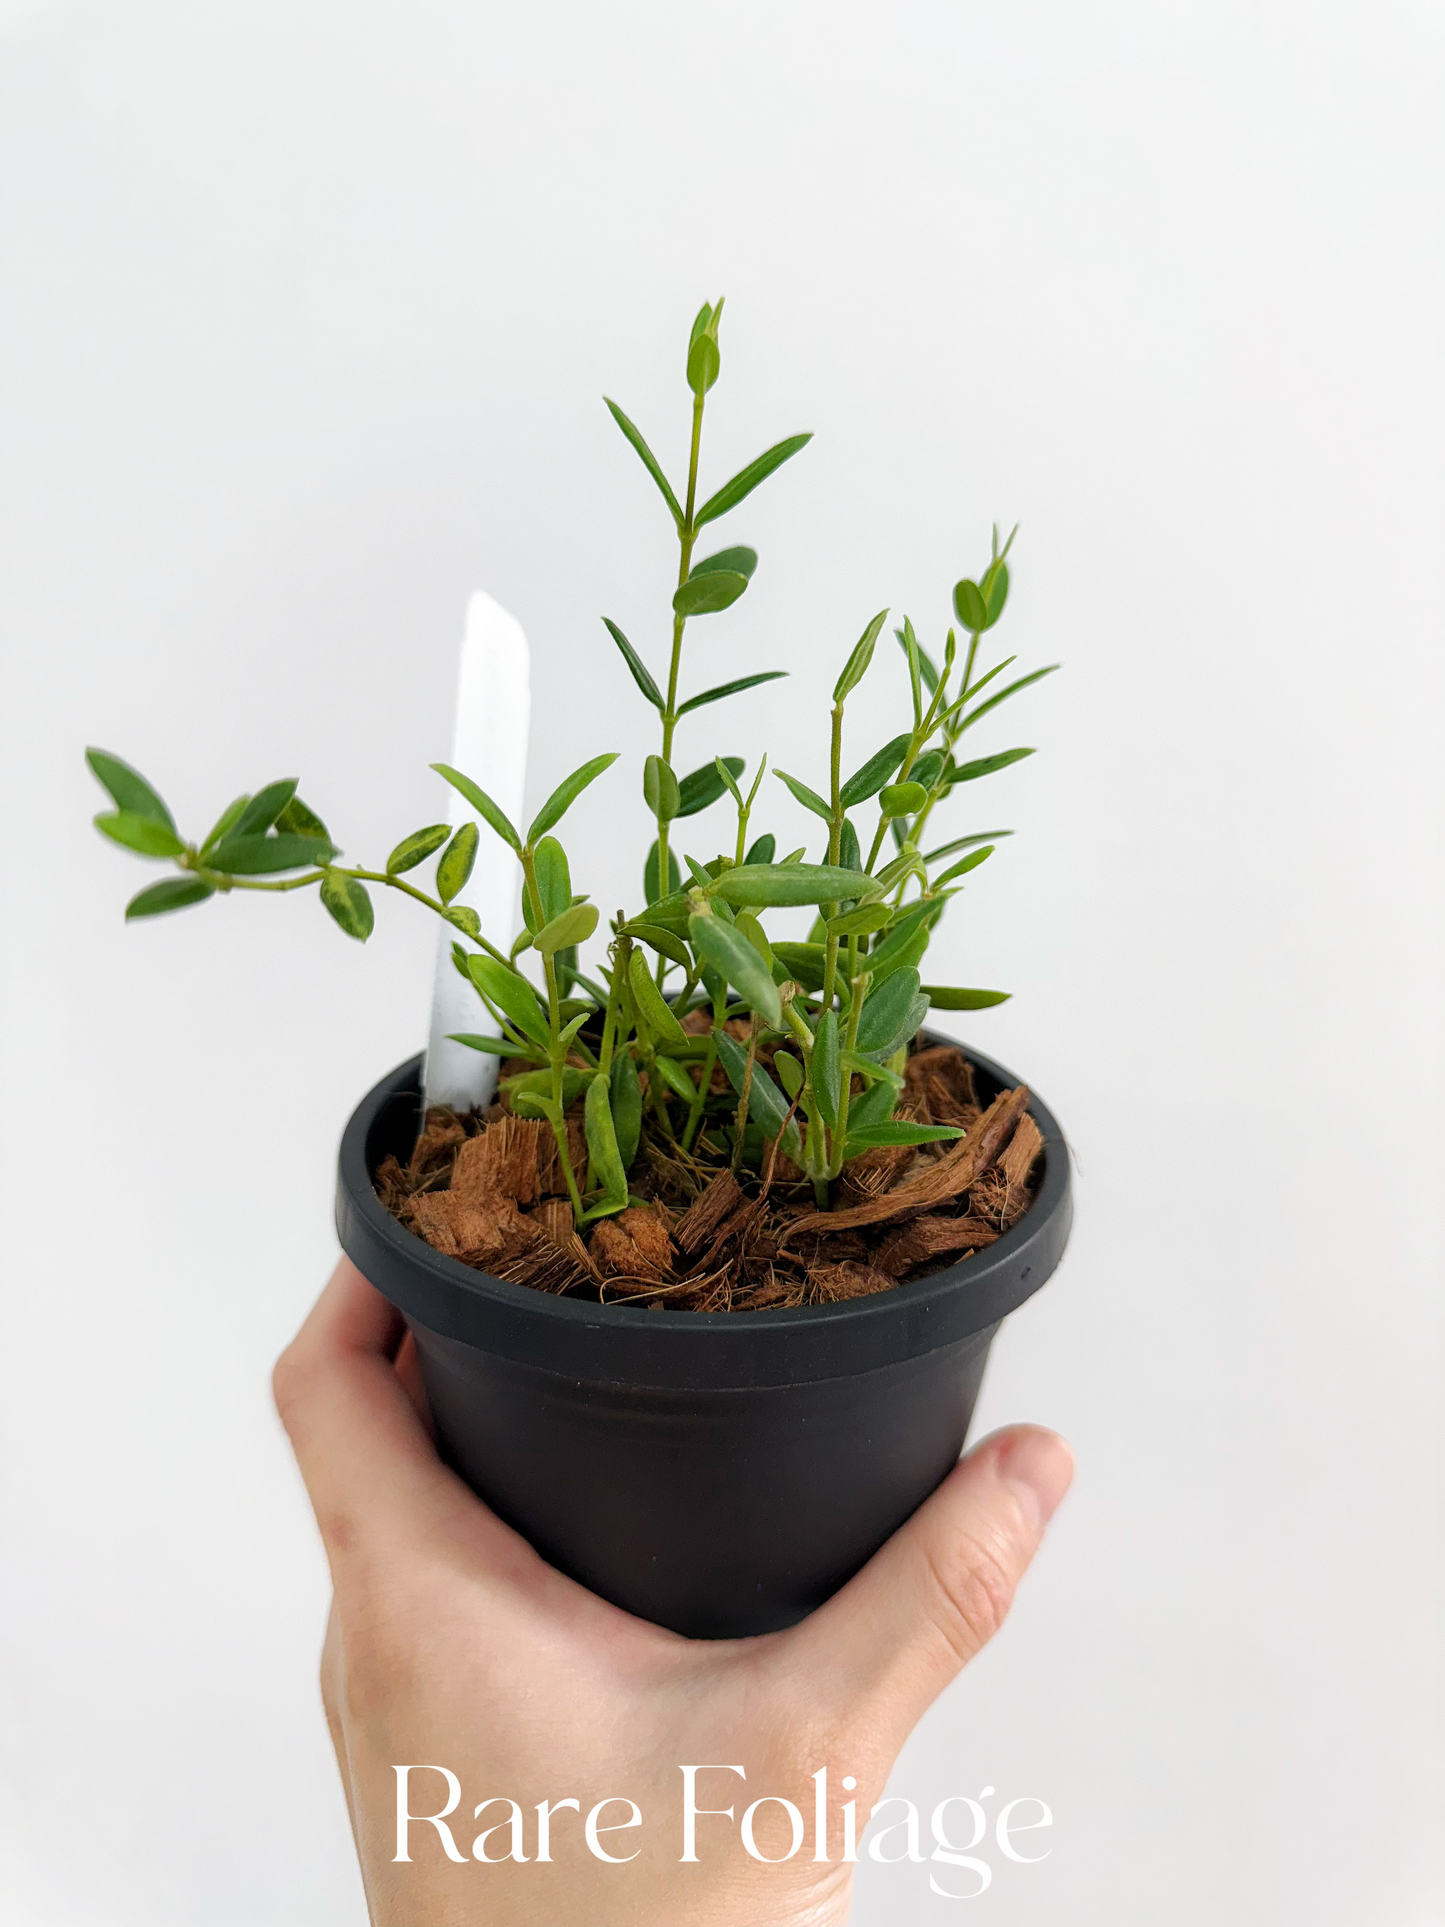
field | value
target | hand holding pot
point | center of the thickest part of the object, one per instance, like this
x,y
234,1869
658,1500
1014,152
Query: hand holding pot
x,y
461,1672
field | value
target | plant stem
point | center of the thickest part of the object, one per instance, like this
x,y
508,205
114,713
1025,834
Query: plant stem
x,y
740,1121
686,536
835,833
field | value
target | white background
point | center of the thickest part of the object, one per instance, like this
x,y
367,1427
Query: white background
x,y
308,308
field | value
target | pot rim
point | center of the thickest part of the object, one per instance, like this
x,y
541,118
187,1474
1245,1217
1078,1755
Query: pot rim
x,y
629,1343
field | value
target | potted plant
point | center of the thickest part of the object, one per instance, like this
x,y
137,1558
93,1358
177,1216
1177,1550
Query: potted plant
x,y
702,1301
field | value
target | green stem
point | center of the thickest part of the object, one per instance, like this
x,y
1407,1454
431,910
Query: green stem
x,y
835,834
740,1119
850,1043
686,536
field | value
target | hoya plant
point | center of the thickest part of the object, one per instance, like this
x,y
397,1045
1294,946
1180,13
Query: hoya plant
x,y
811,1037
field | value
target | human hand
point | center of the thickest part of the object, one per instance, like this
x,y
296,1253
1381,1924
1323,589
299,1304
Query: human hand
x,y
452,1645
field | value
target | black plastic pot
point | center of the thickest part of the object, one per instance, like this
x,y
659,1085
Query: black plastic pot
x,y
718,1473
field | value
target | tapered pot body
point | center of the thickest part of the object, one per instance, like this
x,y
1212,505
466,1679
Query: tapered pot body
x,y
718,1473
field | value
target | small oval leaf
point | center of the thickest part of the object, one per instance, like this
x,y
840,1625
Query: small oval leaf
x,y
705,595
172,893
456,862
349,902
416,848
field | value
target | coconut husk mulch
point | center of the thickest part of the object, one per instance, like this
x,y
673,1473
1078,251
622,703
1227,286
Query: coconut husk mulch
x,y
488,1189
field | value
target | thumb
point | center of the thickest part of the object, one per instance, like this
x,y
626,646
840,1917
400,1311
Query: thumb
x,y
933,1597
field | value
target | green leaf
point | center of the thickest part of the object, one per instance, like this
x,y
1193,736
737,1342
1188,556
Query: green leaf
x,y
298,819
605,1170
529,1100
573,926
790,1072
762,851
728,951
1003,695
649,460
995,591
902,799
146,835
536,1086
566,794
456,862
676,1079
738,561
766,1103
878,1137
554,879
747,479
804,963
908,643
462,916
885,1008
481,803
867,781
861,922
850,857
416,848
969,606
128,789
653,1009
261,855
730,783
856,667
755,934
626,1094
672,911
927,668
945,997
705,595
963,867
349,903
659,789
963,843
703,361
264,807
809,799
512,995
986,765
650,888
705,785
875,1106
638,667
827,1071
494,1046
227,821
730,689
928,768
791,883
908,938
171,893
907,863
662,941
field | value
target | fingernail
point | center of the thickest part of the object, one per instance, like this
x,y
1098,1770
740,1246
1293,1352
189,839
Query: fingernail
x,y
1041,1465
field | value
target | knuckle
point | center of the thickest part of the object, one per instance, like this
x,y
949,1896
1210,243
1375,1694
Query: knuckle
x,y
288,1380
971,1592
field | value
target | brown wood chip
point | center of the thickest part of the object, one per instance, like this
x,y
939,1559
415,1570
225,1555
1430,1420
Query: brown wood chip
x,y
704,1217
952,1173
502,1162
923,1239
553,1218
951,1068
1024,1147
830,1284
634,1244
